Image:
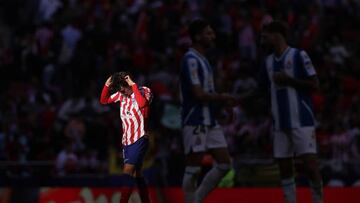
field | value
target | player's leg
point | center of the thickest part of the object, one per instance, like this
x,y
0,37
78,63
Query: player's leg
x,y
133,157
218,149
283,153
286,169
305,142
194,147
129,182
214,176
140,180
191,174
313,173
142,186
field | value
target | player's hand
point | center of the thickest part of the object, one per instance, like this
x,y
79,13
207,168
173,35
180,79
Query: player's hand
x,y
282,78
108,82
129,80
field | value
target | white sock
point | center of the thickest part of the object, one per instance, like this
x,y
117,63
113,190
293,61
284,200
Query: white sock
x,y
190,182
317,192
289,189
210,181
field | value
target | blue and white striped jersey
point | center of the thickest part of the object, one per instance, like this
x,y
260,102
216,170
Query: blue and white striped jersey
x,y
290,108
196,70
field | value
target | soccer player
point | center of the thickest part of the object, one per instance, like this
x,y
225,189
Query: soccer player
x,y
291,77
201,132
134,109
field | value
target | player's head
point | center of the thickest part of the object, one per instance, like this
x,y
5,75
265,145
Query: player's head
x,y
273,33
118,83
201,33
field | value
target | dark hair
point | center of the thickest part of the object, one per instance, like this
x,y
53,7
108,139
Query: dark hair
x,y
118,80
277,27
196,27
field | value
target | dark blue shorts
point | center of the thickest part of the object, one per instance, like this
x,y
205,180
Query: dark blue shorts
x,y
134,154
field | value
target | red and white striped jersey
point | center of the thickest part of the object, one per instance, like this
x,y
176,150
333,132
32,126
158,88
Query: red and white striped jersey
x,y
133,111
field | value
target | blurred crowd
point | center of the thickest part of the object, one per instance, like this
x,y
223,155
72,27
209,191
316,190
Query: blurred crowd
x,y
55,56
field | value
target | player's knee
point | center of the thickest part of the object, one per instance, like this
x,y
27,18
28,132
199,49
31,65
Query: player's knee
x,y
129,169
190,177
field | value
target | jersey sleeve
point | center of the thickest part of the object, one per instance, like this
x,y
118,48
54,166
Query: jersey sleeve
x,y
307,64
106,98
191,68
142,95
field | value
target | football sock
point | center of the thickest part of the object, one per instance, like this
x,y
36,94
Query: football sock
x,y
317,192
126,190
143,190
210,181
289,189
190,182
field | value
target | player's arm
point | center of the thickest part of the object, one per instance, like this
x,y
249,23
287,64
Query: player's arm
x,y
141,100
308,81
202,96
105,97
309,84
191,71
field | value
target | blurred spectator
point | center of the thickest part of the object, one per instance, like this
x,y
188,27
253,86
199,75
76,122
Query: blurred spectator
x,y
338,52
70,36
247,42
47,8
67,161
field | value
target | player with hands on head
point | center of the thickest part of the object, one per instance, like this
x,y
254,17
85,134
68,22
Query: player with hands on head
x,y
134,104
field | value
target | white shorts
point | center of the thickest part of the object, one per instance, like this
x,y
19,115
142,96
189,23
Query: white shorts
x,y
294,142
200,138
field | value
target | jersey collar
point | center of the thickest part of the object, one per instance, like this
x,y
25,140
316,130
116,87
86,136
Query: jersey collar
x,y
197,53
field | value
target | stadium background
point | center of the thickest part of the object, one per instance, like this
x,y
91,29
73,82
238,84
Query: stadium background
x,y
56,55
